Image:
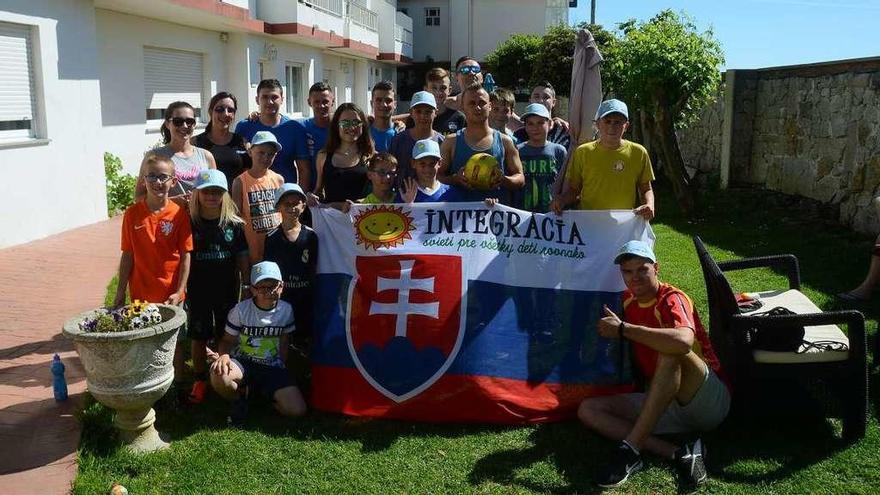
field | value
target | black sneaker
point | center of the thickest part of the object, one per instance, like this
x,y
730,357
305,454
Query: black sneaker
x,y
624,462
690,464
238,412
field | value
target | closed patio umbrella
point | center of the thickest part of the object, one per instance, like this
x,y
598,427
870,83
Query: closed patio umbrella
x,y
586,94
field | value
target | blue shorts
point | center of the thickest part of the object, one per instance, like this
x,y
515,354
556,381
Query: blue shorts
x,y
263,379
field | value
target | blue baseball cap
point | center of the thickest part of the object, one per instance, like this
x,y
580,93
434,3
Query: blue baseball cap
x,y
635,248
423,98
612,106
265,137
265,270
426,147
211,178
287,188
537,109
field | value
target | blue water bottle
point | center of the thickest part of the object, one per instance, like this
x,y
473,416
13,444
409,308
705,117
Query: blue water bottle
x,y
59,383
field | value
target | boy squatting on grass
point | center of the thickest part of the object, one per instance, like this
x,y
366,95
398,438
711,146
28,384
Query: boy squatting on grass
x,y
258,333
673,352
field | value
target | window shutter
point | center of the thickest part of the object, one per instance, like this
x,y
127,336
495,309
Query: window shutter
x,y
16,75
172,75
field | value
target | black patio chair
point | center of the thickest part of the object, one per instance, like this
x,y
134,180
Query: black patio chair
x,y
828,364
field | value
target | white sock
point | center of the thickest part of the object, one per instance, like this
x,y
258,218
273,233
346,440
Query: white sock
x,y
633,448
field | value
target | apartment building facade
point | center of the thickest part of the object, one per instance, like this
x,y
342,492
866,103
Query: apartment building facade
x,y
82,77
444,30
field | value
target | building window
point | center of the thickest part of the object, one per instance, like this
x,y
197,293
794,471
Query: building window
x,y
403,10
293,74
169,76
17,88
432,16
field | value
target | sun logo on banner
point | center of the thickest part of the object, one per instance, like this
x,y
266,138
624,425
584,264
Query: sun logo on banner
x,y
383,226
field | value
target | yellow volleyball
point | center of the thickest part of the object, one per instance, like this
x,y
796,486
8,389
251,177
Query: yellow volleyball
x,y
481,170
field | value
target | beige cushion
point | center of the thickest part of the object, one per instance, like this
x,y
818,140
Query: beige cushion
x,y
797,302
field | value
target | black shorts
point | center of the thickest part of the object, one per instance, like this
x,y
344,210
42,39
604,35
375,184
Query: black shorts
x,y
206,320
263,379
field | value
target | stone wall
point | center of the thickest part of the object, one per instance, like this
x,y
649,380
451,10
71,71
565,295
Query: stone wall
x,y
700,143
811,130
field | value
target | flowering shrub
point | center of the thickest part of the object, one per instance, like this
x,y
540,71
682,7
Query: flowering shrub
x,y
138,314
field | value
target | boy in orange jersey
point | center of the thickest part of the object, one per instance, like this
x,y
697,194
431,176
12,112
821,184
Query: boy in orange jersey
x,y
156,246
156,241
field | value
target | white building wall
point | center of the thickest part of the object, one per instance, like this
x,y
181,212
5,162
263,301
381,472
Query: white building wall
x,y
431,41
56,184
122,39
274,62
494,21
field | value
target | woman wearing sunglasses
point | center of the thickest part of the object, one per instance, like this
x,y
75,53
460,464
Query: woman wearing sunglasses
x,y
228,148
342,164
189,160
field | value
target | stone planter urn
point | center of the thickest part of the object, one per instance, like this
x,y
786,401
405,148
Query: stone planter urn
x,y
129,371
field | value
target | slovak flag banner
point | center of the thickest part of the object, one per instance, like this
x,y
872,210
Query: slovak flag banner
x,y
461,312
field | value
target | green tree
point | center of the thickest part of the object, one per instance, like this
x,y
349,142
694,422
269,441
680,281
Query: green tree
x,y
513,60
668,69
556,56
527,59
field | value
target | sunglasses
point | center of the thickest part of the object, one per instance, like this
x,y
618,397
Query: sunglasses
x,y
179,121
161,178
385,175
469,69
350,123
222,109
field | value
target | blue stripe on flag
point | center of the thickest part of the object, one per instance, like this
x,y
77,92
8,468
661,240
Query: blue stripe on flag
x,y
535,335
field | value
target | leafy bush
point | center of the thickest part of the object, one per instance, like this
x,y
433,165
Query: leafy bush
x,y
120,186
512,62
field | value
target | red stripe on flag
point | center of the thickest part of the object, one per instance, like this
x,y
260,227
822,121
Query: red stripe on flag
x,y
455,398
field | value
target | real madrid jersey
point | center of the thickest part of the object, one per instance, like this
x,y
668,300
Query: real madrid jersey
x,y
609,179
259,331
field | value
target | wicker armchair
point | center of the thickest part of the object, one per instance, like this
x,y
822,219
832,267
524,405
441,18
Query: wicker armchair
x,y
835,375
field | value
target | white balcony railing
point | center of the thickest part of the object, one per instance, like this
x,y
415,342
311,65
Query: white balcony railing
x,y
403,34
333,7
362,16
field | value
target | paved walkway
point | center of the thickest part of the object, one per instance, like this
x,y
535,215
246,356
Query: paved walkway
x,y
44,283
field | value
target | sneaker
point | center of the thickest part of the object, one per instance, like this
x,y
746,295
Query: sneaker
x,y
624,462
198,392
239,411
690,463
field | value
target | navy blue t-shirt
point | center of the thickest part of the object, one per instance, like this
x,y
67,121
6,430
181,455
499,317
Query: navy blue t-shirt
x,y
298,261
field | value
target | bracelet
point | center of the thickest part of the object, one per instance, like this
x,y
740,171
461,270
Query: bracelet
x,y
620,330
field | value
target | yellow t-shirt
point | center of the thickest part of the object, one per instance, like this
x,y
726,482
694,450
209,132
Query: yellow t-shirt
x,y
609,179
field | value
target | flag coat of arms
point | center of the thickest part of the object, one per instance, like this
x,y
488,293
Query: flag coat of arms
x,y
459,312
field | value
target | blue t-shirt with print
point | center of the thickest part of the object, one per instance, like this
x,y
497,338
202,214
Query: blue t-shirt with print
x,y
382,139
286,136
315,139
541,165
442,194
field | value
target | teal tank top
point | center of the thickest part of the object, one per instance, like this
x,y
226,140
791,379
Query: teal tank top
x,y
460,156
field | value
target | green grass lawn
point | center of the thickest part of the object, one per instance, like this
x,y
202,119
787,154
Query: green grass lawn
x,y
324,453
